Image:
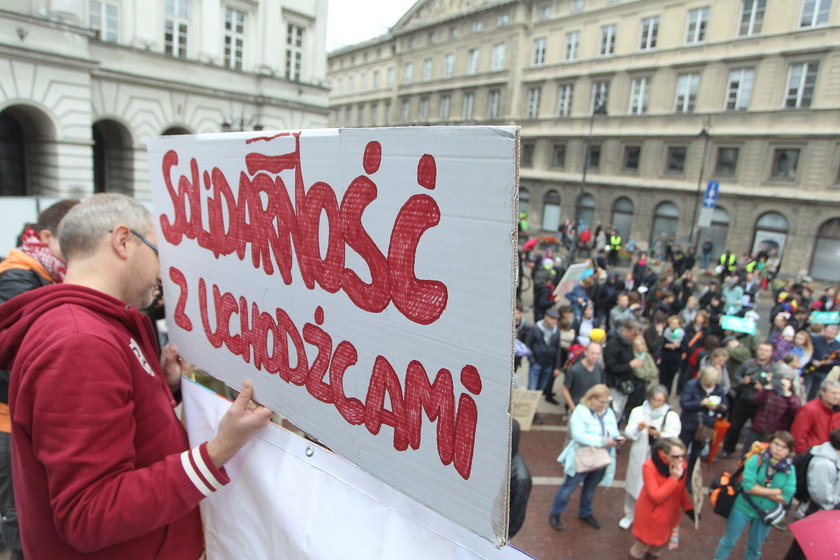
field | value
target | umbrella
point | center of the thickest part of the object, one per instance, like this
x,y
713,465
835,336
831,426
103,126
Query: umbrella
x,y
530,244
819,534
721,426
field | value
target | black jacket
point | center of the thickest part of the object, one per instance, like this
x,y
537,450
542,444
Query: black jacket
x,y
618,353
16,281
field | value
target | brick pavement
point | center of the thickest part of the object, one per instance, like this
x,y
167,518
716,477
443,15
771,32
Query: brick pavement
x,y
540,447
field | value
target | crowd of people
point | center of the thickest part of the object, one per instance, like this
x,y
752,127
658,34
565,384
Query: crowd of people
x,y
664,357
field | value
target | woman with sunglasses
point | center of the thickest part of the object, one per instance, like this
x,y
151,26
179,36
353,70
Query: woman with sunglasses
x,y
661,499
592,424
768,484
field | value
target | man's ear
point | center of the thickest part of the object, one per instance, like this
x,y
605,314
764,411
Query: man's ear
x,y
120,237
45,235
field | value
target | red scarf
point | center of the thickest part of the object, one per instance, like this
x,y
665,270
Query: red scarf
x,y
31,244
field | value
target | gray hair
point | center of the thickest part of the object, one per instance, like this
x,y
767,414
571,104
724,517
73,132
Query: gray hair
x,y
658,390
829,383
81,230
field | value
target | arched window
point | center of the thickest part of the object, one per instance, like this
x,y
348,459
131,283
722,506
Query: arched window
x,y
622,217
665,220
12,170
551,211
718,231
770,234
586,211
825,262
524,200
113,158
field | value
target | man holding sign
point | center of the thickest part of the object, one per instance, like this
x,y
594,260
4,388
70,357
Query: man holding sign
x,y
102,464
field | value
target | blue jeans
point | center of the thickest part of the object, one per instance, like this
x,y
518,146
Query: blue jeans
x,y
705,259
590,483
538,376
734,527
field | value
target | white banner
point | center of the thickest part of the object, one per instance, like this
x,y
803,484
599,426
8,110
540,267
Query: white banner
x,y
323,508
363,279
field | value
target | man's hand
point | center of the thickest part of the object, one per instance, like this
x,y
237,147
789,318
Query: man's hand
x,y
636,363
556,372
243,419
173,366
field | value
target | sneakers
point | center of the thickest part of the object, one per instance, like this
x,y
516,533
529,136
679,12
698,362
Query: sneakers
x,y
591,521
554,521
625,523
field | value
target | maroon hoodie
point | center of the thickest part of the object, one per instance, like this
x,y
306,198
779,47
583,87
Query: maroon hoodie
x,y
102,465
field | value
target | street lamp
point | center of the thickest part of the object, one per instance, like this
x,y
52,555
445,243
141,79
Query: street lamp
x,y
599,108
241,123
704,134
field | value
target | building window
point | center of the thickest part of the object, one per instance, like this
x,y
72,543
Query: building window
x,y
600,96
360,116
686,97
814,12
585,209
386,113
493,98
411,42
375,84
785,161
639,94
695,29
538,52
472,61
648,33
498,61
444,107
632,155
348,113
339,86
752,17
453,32
373,113
427,69
594,160
551,211
176,28
477,26
564,99
504,19
727,162
545,12
234,46
424,109
572,45
577,5
665,220
469,105
524,200
739,90
527,159
104,18
533,109
448,65
294,51
802,77
607,40
559,156
362,82
676,159
405,110
408,71
622,217
392,74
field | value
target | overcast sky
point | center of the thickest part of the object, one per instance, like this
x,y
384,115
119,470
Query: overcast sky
x,y
353,21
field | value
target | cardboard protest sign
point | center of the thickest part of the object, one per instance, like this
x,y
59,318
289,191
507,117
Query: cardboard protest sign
x,y
323,508
574,274
525,404
363,279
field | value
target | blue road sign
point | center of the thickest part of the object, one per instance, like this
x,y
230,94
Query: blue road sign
x,y
710,198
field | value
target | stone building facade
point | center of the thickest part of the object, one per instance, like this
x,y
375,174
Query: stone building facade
x,y
668,96
84,84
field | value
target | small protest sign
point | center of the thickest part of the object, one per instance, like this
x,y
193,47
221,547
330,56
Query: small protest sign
x,y
737,324
825,317
363,279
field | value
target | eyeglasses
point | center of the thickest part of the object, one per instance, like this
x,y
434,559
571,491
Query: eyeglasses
x,y
145,241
